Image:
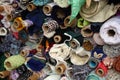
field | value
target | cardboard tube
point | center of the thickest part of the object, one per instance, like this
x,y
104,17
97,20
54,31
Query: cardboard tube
x,y
72,24
35,76
22,53
57,38
45,28
31,7
86,31
1,8
4,74
7,55
60,69
8,64
100,72
73,44
10,17
3,31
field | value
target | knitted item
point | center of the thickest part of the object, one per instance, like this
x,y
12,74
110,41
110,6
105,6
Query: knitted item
x,y
10,63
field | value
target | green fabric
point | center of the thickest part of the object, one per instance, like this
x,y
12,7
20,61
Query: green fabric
x,y
2,59
76,6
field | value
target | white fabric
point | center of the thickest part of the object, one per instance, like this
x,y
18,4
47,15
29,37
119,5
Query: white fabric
x,y
60,51
62,3
53,77
111,24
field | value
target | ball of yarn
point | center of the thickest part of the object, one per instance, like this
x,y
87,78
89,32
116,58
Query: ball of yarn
x,y
14,62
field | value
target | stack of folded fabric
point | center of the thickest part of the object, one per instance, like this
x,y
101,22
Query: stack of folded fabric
x,y
59,39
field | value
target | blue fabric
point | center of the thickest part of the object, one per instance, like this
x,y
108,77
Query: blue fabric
x,y
98,50
41,2
35,64
37,17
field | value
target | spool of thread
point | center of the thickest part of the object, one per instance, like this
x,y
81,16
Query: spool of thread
x,y
3,31
31,7
48,8
86,31
101,69
1,8
93,62
60,68
71,24
35,76
57,38
13,62
4,74
18,24
50,26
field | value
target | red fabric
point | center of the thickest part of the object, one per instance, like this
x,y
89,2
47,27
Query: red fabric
x,y
103,67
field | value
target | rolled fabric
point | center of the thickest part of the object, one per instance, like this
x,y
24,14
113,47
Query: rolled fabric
x,y
94,76
108,62
98,9
116,63
111,50
86,31
3,31
71,24
18,24
80,57
75,7
58,49
41,2
87,45
101,70
35,76
36,63
60,68
62,4
82,23
93,62
1,8
47,9
53,77
98,39
31,7
4,74
13,62
80,72
112,75
110,32
50,26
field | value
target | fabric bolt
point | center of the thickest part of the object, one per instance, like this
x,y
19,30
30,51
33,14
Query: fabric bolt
x,y
75,7
113,75
98,9
10,63
62,3
81,72
116,62
97,39
59,51
109,31
94,76
111,50
98,53
59,14
50,26
36,19
41,2
36,64
14,75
